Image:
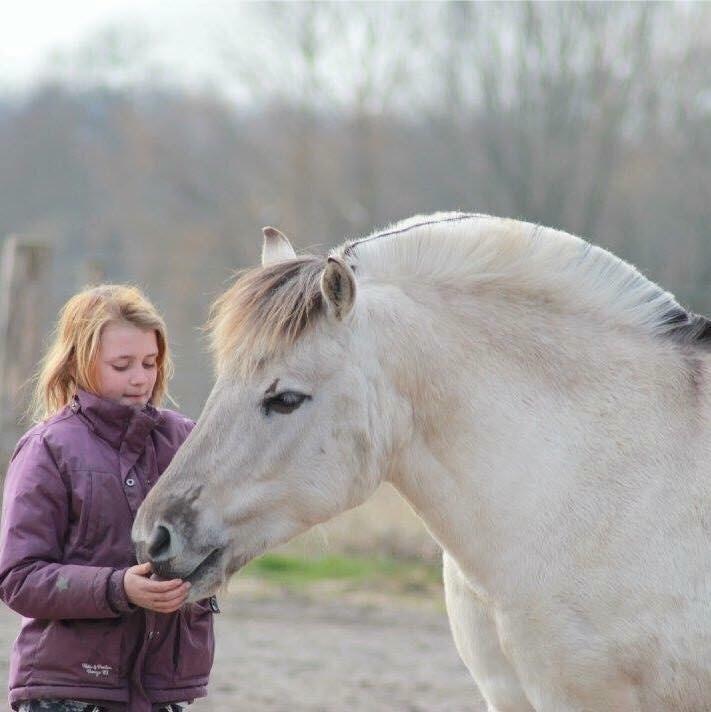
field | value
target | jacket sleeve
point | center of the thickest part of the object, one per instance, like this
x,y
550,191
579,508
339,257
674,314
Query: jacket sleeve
x,y
117,593
33,580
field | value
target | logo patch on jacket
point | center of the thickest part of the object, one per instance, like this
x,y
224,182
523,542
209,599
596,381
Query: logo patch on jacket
x,y
96,669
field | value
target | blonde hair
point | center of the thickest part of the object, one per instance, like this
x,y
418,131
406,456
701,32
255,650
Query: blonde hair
x,y
70,362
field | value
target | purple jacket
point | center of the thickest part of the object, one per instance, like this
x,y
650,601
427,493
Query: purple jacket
x,y
72,490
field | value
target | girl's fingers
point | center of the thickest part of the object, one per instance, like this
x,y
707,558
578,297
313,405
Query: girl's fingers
x,y
172,603
142,569
180,594
168,606
162,586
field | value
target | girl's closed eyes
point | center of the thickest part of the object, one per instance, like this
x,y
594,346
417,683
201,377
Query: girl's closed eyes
x,y
124,368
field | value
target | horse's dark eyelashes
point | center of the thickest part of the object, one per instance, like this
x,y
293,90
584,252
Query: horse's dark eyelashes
x,y
284,402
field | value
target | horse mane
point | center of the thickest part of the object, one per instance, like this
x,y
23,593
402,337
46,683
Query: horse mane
x,y
470,250
268,308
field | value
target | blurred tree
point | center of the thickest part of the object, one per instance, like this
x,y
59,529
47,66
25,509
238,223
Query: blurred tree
x,y
318,66
545,93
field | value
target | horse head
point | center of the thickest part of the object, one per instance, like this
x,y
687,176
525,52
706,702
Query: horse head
x,y
288,437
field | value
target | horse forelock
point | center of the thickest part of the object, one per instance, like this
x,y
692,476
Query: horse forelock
x,y
264,312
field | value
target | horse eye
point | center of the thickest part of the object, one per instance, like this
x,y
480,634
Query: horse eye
x,y
285,402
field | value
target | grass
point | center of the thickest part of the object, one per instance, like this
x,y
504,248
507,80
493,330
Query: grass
x,y
392,574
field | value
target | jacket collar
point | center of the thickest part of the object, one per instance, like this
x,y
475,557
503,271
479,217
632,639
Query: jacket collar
x,y
120,425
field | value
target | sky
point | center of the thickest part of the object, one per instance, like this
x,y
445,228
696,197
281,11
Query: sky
x,y
220,46
36,36
32,29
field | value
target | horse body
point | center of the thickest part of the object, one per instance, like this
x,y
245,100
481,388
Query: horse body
x,y
566,476
539,405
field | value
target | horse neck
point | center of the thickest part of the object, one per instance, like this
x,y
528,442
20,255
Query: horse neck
x,y
510,406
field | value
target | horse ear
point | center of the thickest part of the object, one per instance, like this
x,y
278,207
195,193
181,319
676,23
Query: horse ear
x,y
338,287
276,246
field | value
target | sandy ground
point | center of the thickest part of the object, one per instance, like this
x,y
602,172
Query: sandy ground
x,y
326,651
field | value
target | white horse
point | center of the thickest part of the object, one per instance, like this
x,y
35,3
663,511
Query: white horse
x,y
542,406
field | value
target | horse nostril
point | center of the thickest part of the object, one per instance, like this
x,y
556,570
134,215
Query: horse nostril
x,y
159,543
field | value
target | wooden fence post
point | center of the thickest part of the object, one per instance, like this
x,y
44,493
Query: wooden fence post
x,y
24,300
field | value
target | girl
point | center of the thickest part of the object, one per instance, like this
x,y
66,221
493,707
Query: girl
x,y
98,633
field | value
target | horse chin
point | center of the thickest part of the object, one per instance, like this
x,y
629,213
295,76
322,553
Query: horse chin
x,y
205,578
208,576
213,573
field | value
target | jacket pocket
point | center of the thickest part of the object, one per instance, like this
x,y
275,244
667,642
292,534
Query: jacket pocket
x,y
85,652
96,506
108,509
195,649
102,517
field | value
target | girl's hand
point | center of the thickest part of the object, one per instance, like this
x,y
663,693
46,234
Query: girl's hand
x,y
159,596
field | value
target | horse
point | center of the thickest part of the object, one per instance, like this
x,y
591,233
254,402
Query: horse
x,y
542,406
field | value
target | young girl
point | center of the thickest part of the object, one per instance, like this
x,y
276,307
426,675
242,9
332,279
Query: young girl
x,y
98,632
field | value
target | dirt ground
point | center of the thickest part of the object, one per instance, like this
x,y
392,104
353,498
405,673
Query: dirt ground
x,y
326,651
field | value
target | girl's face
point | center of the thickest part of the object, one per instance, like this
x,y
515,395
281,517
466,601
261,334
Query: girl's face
x,y
126,366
